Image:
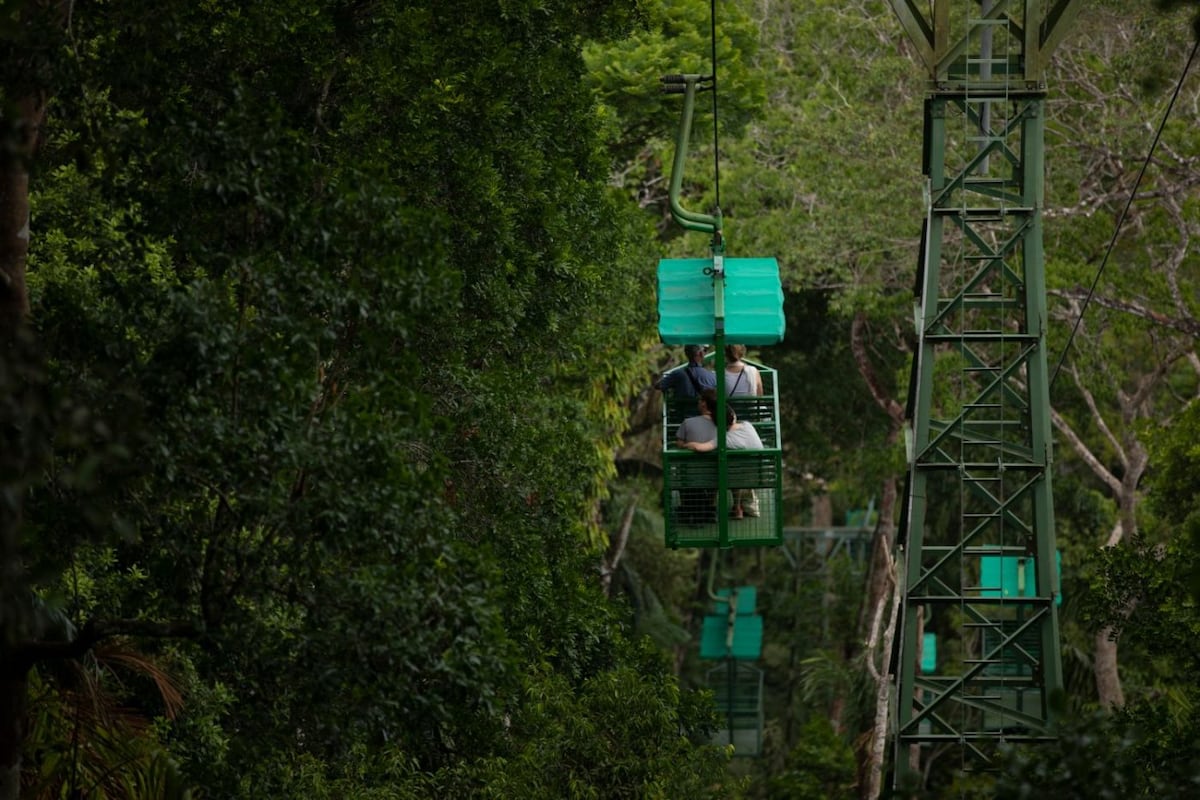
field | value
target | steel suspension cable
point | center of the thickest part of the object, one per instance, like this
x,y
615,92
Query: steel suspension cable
x,y
1125,211
716,142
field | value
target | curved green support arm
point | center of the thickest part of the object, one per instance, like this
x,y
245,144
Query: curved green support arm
x,y
690,220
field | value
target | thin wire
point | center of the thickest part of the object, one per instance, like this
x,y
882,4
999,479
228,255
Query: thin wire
x,y
716,142
1124,212
73,784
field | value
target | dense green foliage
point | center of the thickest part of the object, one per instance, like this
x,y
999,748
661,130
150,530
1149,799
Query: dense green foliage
x,y
317,284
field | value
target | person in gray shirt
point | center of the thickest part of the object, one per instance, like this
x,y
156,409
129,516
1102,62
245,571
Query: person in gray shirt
x,y
701,437
699,428
697,505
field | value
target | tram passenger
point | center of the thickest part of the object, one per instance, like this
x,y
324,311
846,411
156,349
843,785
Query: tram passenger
x,y
740,377
697,505
692,379
738,436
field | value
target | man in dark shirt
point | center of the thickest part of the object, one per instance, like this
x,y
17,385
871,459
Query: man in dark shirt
x,y
692,378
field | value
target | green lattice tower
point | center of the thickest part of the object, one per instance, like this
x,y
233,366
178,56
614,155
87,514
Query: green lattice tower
x,y
980,437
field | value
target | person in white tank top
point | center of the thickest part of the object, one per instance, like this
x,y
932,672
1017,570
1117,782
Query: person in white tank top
x,y
740,377
738,436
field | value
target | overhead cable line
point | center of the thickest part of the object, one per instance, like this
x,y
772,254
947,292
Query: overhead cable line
x,y
716,142
1124,212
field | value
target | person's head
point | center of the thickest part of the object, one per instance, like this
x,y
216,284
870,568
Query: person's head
x,y
695,353
730,416
707,401
734,352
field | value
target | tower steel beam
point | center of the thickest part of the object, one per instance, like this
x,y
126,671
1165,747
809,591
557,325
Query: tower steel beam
x,y
942,33
976,541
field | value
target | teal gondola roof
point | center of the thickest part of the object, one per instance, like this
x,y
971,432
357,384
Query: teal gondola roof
x,y
753,301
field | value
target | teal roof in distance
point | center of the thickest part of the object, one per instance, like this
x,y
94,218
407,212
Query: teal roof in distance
x,y
747,627
747,637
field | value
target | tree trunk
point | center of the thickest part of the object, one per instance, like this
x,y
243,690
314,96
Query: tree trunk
x,y
616,549
20,129
1106,667
882,577
878,580
14,310
1108,679
14,696
880,641
19,140
822,509
14,241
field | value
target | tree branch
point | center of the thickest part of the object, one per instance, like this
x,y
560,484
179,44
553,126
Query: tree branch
x,y
1184,325
1098,418
97,630
1149,381
1081,449
858,347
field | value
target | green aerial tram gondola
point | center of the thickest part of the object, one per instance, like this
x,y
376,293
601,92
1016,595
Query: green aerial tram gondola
x,y
738,301
719,300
